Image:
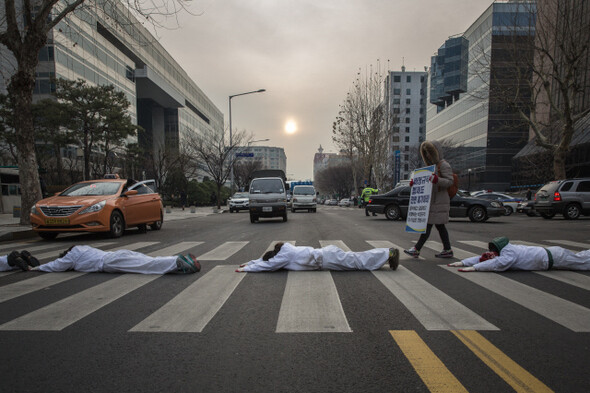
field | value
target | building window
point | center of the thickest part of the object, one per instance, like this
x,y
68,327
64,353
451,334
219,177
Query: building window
x,y
408,92
396,78
397,92
421,120
408,101
396,101
407,110
406,148
407,120
409,79
407,129
407,139
396,110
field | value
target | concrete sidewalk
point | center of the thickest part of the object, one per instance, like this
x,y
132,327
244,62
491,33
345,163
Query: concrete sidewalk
x,y
10,228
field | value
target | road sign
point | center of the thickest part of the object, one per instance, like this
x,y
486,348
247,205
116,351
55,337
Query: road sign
x,y
244,154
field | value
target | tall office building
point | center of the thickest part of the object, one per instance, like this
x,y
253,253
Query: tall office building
x,y
405,100
103,45
467,75
270,157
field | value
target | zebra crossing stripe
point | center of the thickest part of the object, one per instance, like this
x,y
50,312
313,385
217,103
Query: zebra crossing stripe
x,y
34,284
561,311
192,309
311,305
222,252
65,312
562,243
55,253
387,244
435,375
17,246
272,244
475,243
175,249
516,376
338,243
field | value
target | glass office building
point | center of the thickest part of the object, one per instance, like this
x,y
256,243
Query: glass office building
x,y
465,106
110,46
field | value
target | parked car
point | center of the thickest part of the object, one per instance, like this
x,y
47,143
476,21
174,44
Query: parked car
x,y
239,201
345,202
106,205
510,202
571,198
394,204
332,202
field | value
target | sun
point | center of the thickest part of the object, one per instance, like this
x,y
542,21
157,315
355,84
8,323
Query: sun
x,y
290,127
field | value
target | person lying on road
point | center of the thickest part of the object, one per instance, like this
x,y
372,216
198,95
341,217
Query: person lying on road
x,y
89,259
503,256
290,257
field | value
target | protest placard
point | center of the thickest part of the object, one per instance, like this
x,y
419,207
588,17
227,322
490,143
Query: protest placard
x,y
420,200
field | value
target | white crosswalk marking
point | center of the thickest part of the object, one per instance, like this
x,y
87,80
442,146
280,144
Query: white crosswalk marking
x,y
63,313
18,246
193,308
175,249
338,243
55,253
475,243
564,243
272,244
222,252
24,287
311,305
387,244
563,312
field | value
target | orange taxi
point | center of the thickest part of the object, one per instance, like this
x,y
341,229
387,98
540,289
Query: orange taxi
x,y
105,205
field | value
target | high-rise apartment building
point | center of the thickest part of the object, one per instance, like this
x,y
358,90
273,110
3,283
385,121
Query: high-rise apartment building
x,y
405,100
103,45
465,108
270,157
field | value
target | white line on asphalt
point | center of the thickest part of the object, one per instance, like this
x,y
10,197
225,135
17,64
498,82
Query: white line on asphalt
x,y
63,313
222,252
175,249
562,243
338,243
34,284
192,309
311,305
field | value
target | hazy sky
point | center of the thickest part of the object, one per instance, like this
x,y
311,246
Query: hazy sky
x,y
306,54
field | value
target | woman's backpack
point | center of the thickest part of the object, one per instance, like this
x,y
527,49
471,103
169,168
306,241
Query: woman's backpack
x,y
452,190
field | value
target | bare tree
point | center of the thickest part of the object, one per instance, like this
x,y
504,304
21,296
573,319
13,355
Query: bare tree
x,y
215,155
336,180
24,29
543,76
361,127
243,170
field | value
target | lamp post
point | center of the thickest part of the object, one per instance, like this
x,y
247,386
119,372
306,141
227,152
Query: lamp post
x,y
469,180
231,185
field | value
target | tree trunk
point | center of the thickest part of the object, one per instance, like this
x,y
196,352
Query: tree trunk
x,y
218,195
559,157
20,88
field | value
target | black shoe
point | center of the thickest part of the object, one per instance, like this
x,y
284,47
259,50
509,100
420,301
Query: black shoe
x,y
29,259
393,258
14,259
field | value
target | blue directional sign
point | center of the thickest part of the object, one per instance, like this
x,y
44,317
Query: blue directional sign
x,y
244,154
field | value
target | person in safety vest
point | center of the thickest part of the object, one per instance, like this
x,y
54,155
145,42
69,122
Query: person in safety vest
x,y
366,195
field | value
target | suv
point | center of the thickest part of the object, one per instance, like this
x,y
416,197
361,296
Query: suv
x,y
304,197
238,202
268,198
568,197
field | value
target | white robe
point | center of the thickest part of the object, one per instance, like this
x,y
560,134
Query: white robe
x,y
292,257
88,259
516,257
4,266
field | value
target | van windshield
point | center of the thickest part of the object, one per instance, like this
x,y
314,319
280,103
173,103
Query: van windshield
x,y
267,186
304,191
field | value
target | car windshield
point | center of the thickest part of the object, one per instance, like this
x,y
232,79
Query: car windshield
x,y
240,195
304,191
267,186
89,188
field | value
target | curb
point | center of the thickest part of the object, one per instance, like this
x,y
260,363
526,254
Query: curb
x,y
18,235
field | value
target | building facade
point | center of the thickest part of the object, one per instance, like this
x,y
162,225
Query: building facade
x,y
405,100
269,157
103,45
468,76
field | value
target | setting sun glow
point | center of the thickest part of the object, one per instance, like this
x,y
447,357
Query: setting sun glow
x,y
290,127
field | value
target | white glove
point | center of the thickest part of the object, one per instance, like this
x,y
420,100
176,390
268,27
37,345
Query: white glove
x,y
456,264
467,269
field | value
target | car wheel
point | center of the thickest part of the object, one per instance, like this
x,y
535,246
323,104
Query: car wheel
x,y
313,210
530,214
156,226
547,216
117,225
392,212
292,210
507,210
48,235
284,217
253,218
231,210
478,214
572,211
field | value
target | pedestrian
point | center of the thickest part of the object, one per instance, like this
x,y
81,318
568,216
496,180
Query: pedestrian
x,y
89,259
529,194
504,255
290,257
183,199
440,202
366,195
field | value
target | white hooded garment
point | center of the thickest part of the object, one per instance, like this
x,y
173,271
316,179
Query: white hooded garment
x,y
88,259
516,257
4,266
292,257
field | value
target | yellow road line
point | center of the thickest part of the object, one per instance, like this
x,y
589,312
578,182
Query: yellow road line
x,y
516,376
434,374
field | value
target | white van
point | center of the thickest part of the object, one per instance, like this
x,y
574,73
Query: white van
x,y
304,197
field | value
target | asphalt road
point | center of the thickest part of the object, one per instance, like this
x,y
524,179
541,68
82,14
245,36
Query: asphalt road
x,y
421,328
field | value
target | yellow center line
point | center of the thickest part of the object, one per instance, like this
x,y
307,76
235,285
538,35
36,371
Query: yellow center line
x,y
432,371
516,376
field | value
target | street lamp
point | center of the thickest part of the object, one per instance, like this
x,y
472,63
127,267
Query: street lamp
x,y
230,132
469,180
